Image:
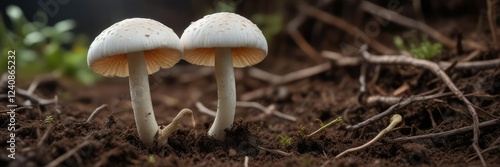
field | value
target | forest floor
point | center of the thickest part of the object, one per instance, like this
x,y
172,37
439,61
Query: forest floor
x,y
46,132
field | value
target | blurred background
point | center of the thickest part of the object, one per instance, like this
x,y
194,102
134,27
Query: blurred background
x,y
52,36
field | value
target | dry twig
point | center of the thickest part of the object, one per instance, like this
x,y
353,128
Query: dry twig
x,y
409,22
35,98
279,80
391,100
96,112
479,65
68,154
344,25
275,151
292,29
492,21
290,77
342,60
433,67
446,133
393,109
45,135
204,109
267,111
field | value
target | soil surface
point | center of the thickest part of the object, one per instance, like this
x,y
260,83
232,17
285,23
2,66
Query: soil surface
x,y
112,140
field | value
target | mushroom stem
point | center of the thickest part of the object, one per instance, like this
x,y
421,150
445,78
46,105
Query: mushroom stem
x,y
226,106
141,98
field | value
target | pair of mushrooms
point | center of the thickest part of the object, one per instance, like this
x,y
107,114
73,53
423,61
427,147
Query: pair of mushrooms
x,y
138,47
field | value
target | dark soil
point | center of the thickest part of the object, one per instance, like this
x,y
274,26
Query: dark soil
x,y
113,139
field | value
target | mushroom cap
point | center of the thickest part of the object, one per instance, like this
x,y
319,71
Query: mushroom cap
x,y
248,44
108,52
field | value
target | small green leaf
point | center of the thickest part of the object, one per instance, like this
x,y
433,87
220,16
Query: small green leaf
x,y
65,25
49,119
151,158
14,12
33,38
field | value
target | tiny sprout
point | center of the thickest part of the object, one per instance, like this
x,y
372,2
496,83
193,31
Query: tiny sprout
x,y
321,124
302,129
285,141
324,126
395,119
49,119
151,158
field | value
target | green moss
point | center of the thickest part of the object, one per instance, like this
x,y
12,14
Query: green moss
x,y
422,50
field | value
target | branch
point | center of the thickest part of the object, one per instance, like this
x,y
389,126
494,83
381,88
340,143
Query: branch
x,y
446,133
394,121
344,26
433,67
492,21
393,109
411,23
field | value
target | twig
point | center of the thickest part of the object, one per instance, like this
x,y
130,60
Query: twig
x,y
263,75
492,21
204,109
105,156
267,111
391,99
34,97
342,60
417,8
393,108
45,135
275,151
479,65
95,113
394,121
343,25
336,120
245,163
433,67
292,29
290,77
68,154
446,133
256,105
482,152
409,22
362,83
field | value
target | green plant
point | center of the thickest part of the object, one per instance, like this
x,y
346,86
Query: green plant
x,y
271,24
423,50
44,49
302,130
222,6
49,119
324,126
284,141
151,158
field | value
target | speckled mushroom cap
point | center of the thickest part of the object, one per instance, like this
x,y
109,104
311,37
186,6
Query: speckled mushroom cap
x,y
248,44
108,52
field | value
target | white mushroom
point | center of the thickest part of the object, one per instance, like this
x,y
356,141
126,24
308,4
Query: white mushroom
x,y
136,48
224,40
